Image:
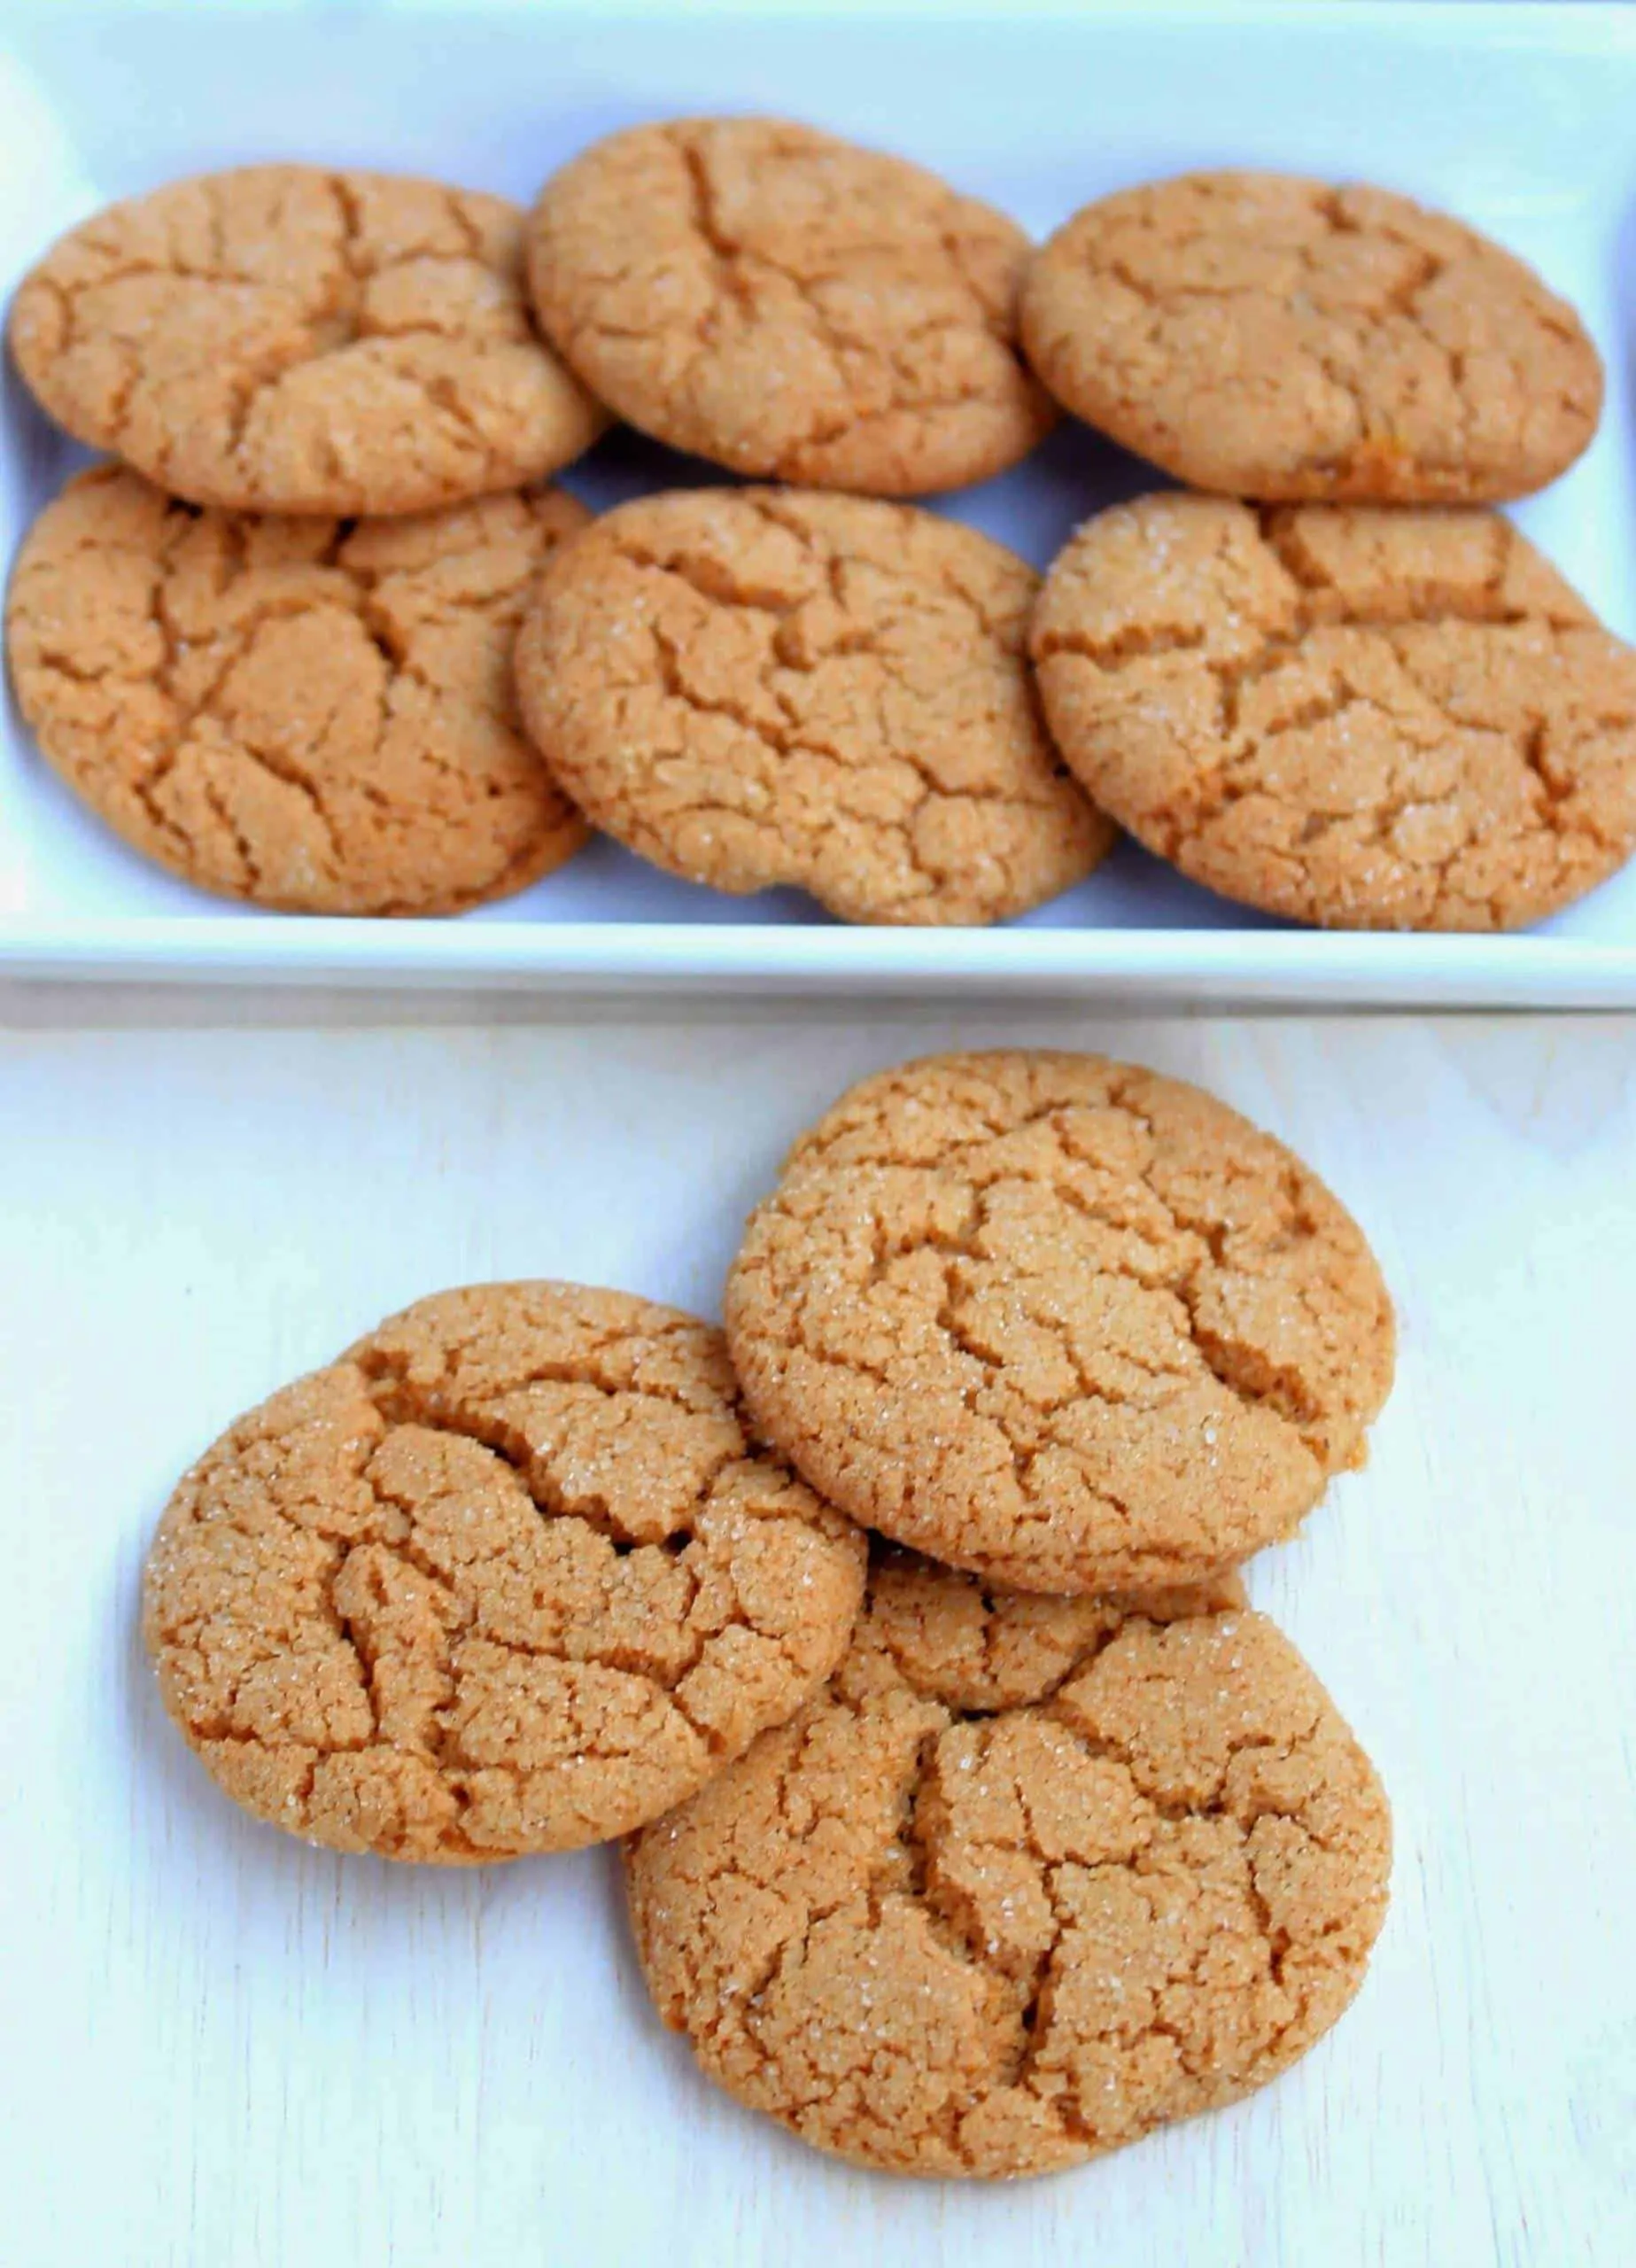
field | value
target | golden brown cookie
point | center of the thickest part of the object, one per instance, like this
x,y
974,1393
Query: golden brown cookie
x,y
1276,337
786,303
1058,1320
311,714
1028,1878
1368,718
285,339
512,1575
754,686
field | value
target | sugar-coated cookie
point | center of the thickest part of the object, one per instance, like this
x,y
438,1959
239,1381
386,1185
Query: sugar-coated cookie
x,y
760,686
1362,718
1276,337
1029,1878
311,714
285,338
1057,1320
512,1575
788,304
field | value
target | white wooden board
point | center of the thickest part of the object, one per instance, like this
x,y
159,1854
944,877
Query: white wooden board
x,y
220,2048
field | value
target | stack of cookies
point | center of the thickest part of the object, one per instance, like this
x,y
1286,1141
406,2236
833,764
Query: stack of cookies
x,y
973,1824
323,640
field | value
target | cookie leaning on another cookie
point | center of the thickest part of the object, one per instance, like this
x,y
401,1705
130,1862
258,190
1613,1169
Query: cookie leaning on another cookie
x,y
311,714
757,685
1029,1878
1369,719
1276,337
1057,1320
511,1575
788,304
285,338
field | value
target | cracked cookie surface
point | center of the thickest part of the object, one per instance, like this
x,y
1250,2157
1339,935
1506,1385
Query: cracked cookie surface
x,y
1059,1320
788,304
1363,718
316,715
282,338
512,1575
1029,1878
1276,337
755,686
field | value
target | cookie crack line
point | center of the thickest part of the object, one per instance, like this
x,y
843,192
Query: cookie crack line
x,y
578,1368
752,687
1277,526
1415,723
1183,1283
993,1309
566,1647
1400,299
1127,1948
713,579
1357,346
249,384
807,865
356,1583
765,316
704,221
313,713
506,1442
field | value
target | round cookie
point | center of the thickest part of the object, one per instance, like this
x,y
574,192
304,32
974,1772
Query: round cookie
x,y
1365,718
512,1575
788,304
755,686
311,714
1029,1878
1276,337
1058,1320
285,339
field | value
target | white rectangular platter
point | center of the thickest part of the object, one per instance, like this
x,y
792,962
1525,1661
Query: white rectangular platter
x,y
1517,117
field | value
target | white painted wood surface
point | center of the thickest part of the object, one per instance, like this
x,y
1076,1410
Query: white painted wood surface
x,y
220,2047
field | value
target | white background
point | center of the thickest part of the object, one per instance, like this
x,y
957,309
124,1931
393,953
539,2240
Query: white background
x,y
222,2048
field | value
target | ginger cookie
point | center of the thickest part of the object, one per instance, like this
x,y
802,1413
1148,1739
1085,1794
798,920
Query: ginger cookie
x,y
1366,719
1059,1320
283,338
788,304
754,686
1029,1878
1276,337
512,1575
311,714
